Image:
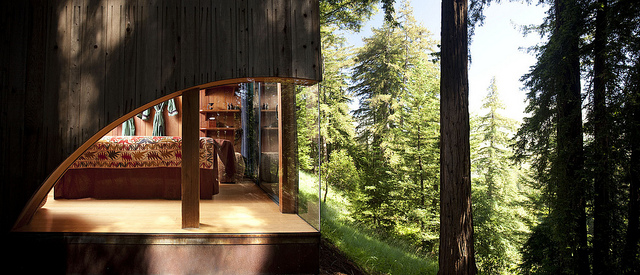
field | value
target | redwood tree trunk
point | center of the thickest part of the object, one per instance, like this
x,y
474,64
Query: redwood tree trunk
x,y
630,261
603,205
569,204
631,264
456,255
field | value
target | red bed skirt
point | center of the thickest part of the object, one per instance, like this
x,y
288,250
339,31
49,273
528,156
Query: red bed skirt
x,y
135,183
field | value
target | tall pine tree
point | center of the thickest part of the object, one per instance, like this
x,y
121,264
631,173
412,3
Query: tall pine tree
x,y
500,217
396,84
555,104
456,254
584,170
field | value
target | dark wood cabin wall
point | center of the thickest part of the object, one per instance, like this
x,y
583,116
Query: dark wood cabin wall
x,y
70,68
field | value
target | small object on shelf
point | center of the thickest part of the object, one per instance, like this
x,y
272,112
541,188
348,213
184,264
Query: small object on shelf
x,y
210,106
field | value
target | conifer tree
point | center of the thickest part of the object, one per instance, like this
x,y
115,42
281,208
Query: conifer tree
x,y
500,217
414,147
628,28
394,81
456,253
598,38
378,81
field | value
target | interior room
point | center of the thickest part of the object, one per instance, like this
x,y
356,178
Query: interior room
x,y
129,181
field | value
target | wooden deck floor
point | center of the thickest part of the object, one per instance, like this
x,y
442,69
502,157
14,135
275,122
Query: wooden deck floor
x,y
238,208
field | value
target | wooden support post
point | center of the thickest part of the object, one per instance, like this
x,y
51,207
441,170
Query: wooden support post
x,y
288,149
190,160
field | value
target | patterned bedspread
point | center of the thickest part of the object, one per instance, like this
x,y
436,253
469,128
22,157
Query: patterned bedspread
x,y
141,152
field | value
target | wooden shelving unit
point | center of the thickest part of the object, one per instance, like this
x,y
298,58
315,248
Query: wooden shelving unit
x,y
220,114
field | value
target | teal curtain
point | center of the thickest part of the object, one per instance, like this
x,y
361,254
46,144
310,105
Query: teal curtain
x,y
145,114
158,118
129,128
171,107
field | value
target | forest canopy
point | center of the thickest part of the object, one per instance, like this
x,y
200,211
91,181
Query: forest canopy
x,y
557,193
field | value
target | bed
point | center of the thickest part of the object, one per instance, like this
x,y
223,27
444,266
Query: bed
x,y
141,167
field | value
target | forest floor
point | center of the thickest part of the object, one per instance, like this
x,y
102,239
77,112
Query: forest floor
x,y
334,262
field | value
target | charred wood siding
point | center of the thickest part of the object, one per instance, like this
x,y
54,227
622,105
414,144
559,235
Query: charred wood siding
x,y
70,68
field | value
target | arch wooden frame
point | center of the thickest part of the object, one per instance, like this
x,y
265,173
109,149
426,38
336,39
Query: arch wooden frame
x,y
72,70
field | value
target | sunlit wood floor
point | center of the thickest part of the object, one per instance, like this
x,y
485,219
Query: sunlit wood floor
x,y
238,208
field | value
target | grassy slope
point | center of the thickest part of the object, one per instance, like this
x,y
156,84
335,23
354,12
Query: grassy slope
x,y
362,247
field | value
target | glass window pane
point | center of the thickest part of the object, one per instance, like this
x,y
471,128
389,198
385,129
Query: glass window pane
x,y
308,132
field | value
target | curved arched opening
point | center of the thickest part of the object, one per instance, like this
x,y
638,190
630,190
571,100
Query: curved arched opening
x,y
41,195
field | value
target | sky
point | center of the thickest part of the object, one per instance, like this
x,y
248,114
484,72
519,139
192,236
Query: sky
x,y
497,49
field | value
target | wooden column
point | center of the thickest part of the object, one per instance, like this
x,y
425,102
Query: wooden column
x,y
190,160
288,149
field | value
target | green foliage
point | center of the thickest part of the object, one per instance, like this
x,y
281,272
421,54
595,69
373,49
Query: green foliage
x,y
336,123
367,249
397,132
383,157
307,120
328,101
600,38
414,157
378,81
340,172
539,250
555,103
501,218
371,203
351,15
